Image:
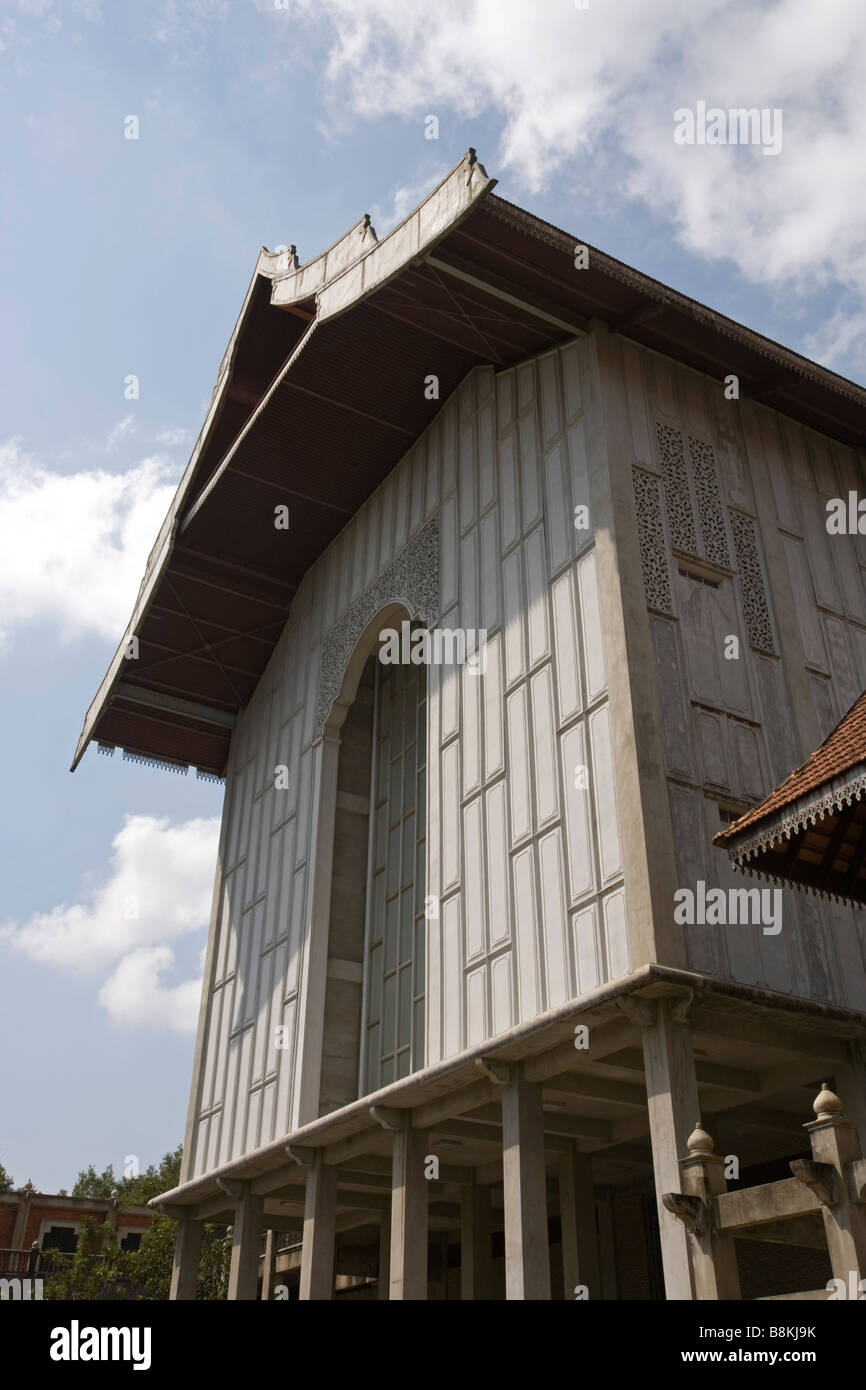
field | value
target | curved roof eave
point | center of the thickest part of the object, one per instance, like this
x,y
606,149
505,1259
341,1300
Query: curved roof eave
x,y
352,269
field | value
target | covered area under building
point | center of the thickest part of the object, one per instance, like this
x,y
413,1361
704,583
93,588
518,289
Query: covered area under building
x,y
567,1163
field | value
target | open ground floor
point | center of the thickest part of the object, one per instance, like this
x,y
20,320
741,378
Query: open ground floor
x,y
669,1136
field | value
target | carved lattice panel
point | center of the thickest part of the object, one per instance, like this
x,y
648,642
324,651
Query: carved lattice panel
x,y
678,498
653,547
755,607
710,512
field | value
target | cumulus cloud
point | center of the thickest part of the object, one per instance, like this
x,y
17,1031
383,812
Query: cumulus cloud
x,y
135,994
75,544
158,888
588,96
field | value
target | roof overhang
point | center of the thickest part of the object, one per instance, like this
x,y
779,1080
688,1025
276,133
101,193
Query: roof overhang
x,y
321,392
815,843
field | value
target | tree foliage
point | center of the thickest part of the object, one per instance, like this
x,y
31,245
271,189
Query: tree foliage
x,y
5,1180
134,1191
100,1269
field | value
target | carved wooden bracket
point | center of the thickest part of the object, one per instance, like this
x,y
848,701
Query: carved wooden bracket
x,y
232,1187
820,1177
681,1004
386,1117
689,1209
304,1157
642,1012
500,1073
855,1171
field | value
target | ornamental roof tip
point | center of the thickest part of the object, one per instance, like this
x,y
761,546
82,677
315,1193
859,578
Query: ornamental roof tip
x,y
310,337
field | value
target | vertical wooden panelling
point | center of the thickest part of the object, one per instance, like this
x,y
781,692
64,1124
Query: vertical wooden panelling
x,y
511,865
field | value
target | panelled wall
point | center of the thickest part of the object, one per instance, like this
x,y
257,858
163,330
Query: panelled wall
x,y
730,503
524,888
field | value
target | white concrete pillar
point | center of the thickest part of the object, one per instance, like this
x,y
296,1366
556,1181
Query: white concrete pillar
x,y
580,1264
385,1255
246,1244
475,1234
672,1100
187,1253
527,1253
408,1213
270,1266
320,1218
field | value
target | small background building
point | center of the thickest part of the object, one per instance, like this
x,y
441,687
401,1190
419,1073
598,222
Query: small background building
x,y
51,1222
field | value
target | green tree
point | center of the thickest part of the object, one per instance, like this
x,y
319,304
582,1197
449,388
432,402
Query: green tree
x,y
89,1183
5,1180
138,1191
100,1269
151,1264
95,1271
134,1191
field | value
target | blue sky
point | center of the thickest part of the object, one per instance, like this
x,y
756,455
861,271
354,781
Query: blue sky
x,y
268,123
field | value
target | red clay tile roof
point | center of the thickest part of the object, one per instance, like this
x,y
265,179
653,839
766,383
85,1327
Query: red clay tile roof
x,y
842,749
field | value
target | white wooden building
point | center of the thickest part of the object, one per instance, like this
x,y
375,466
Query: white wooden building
x,y
444,922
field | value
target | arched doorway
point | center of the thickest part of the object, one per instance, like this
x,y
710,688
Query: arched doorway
x,y
374,991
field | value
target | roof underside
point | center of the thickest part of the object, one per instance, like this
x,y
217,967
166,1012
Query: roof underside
x,y
322,392
809,831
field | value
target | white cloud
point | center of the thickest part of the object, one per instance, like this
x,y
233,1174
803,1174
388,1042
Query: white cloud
x,y
122,430
588,96
169,439
75,544
135,994
158,889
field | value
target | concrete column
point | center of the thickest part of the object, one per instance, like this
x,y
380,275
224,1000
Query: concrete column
x,y
713,1253
187,1252
270,1266
527,1254
22,1216
672,1100
837,1174
385,1255
320,1219
580,1265
246,1245
475,1252
408,1214
850,1086
606,1244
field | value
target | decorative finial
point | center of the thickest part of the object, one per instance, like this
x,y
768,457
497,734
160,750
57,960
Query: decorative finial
x,y
827,1103
115,1195
472,155
699,1142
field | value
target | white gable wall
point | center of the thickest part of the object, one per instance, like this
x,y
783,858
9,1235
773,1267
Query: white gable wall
x,y
524,855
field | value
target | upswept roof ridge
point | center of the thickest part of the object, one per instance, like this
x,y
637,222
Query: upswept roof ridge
x,y
317,399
